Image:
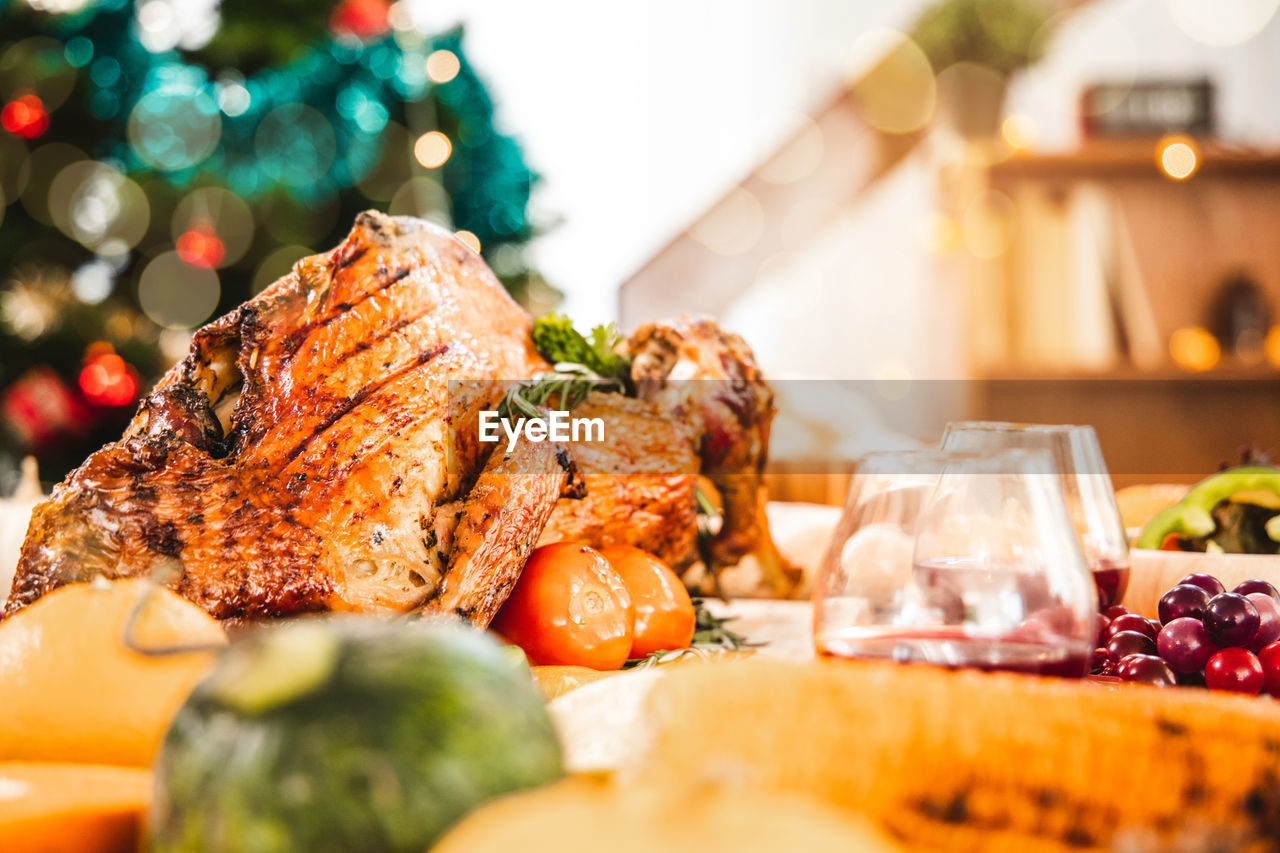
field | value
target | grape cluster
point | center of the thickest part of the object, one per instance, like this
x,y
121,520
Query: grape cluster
x,y
1205,637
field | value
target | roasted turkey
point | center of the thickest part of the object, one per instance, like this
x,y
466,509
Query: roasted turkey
x,y
318,448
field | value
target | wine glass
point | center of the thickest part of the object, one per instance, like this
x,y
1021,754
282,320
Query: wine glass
x,y
958,560
1086,486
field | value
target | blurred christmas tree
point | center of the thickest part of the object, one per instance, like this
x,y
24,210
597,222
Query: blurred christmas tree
x,y
163,160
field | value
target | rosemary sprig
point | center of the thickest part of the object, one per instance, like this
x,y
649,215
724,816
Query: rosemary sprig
x,y
712,630
710,636
567,383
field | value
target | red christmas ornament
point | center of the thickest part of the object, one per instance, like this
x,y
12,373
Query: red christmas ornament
x,y
39,408
25,116
364,19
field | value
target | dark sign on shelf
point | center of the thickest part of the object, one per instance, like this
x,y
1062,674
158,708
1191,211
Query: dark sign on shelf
x,y
1149,108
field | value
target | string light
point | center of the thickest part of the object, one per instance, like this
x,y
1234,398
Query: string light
x,y
432,149
442,66
1018,131
1194,348
200,247
107,381
1178,157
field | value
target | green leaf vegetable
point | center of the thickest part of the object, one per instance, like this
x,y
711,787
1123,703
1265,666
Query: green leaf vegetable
x,y
558,341
581,365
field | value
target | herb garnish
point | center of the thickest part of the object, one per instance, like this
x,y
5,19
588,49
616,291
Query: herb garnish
x,y
581,365
711,635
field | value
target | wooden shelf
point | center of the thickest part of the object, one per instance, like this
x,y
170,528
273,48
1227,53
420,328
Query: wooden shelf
x,y
1132,158
1225,373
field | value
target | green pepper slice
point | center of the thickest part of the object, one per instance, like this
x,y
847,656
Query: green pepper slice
x,y
1192,517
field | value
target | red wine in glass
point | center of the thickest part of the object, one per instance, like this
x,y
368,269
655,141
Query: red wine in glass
x,y
1111,577
960,595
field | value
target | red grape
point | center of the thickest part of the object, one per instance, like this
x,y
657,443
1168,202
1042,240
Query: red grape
x,y
1100,626
1269,657
1130,643
1115,610
1185,646
1102,662
1129,622
1231,619
1183,600
1146,669
1208,583
1256,585
1234,670
1268,621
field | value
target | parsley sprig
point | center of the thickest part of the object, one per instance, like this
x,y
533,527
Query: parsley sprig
x,y
581,365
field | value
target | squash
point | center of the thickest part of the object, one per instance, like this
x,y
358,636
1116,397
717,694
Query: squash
x,y
349,733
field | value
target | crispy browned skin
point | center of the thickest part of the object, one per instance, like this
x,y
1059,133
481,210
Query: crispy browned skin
x,y
707,378
499,526
639,482
317,449
294,460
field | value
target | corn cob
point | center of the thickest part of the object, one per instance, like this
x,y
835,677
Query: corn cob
x,y
965,761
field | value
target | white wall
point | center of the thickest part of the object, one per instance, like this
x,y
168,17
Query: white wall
x,y
640,113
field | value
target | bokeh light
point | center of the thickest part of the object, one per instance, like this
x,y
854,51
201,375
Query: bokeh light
x,y
38,171
1271,346
1222,24
1194,348
210,222
277,265
896,91
200,246
471,241
1178,157
158,28
57,7
733,226
233,98
296,145
93,281
37,66
107,381
432,149
95,204
423,197
1019,132
175,294
175,127
442,66
25,116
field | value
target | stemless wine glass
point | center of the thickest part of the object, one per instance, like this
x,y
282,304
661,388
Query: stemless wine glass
x,y
958,560
1086,486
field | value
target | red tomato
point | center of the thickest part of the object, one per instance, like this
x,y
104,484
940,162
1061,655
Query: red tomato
x,y
569,608
664,611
